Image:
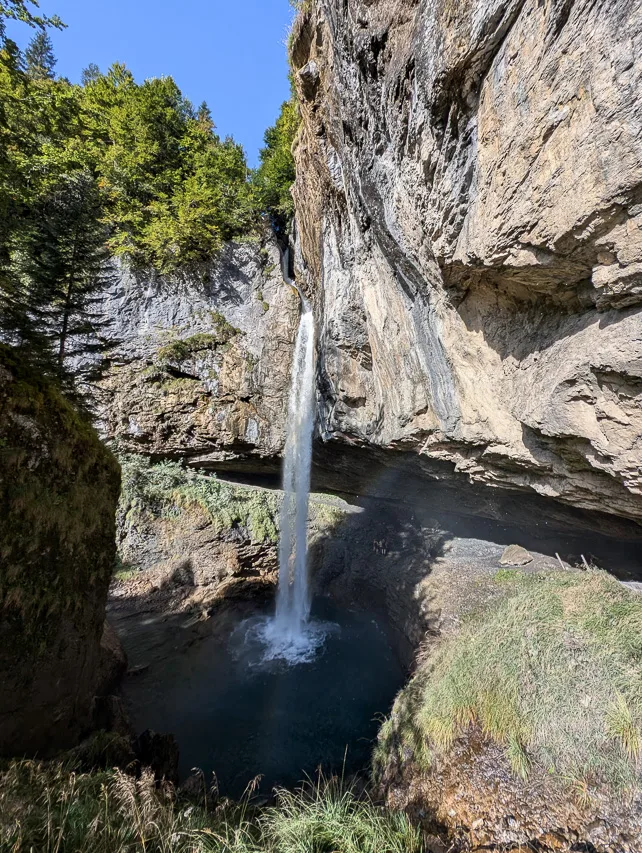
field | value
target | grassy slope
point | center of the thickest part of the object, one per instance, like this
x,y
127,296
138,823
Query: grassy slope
x,y
552,670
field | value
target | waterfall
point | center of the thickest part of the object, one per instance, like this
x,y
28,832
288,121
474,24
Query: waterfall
x,y
293,603
291,636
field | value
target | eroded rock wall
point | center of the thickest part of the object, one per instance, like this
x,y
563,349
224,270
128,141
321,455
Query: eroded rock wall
x,y
469,207
199,365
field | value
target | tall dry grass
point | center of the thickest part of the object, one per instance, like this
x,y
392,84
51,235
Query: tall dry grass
x,y
44,808
552,670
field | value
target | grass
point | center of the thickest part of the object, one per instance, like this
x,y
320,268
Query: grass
x,y
50,809
552,671
165,489
329,817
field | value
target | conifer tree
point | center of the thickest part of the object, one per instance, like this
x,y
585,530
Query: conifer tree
x,y
90,74
40,57
63,262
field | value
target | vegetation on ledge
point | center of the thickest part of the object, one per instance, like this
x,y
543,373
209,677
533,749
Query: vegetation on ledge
x,y
165,489
552,670
184,348
52,810
275,176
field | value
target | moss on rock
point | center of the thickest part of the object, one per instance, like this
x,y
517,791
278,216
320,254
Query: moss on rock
x,y
58,492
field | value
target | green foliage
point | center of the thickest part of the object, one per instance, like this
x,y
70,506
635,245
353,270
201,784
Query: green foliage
x,y
167,488
108,168
276,173
552,670
40,57
507,575
175,191
112,167
186,347
52,810
182,349
61,261
52,239
23,10
329,817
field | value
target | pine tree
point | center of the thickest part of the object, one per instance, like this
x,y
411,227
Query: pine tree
x,y
40,57
63,263
204,118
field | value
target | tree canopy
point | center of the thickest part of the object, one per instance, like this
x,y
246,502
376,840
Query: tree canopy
x,y
112,168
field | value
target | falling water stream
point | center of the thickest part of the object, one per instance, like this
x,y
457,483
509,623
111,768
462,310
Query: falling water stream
x,y
291,635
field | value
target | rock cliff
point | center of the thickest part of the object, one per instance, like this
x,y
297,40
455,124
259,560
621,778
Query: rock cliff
x,y
469,208
199,365
58,494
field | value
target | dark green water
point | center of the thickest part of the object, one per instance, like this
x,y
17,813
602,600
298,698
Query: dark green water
x,y
239,716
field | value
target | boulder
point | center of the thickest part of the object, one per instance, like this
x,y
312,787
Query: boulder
x,y
515,555
112,663
160,753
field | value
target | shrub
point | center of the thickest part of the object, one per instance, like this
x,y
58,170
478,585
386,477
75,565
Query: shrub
x,y
182,349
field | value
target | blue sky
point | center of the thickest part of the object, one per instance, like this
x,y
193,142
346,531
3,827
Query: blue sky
x,y
230,54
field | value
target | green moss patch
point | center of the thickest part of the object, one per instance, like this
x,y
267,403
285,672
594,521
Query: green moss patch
x,y
181,350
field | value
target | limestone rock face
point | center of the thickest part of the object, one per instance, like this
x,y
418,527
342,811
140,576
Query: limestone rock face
x,y
58,493
200,365
469,208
